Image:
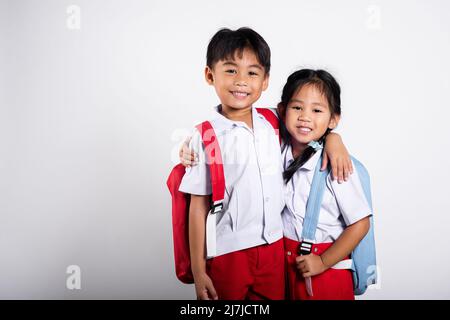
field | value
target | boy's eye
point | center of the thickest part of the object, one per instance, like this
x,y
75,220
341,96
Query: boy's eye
x,y
296,108
252,73
317,110
231,71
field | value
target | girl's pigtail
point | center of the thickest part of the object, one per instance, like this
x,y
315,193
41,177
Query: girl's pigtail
x,y
297,163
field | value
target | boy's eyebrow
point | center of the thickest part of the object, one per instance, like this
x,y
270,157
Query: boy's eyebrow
x,y
230,63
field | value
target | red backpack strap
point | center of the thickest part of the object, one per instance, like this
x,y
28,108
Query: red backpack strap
x,y
272,118
215,163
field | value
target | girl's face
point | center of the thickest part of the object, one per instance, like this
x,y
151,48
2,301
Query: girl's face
x,y
308,115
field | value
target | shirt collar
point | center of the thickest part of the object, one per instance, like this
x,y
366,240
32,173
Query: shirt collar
x,y
308,165
222,123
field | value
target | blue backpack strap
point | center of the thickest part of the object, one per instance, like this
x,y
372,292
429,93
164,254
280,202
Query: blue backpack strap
x,y
313,208
363,257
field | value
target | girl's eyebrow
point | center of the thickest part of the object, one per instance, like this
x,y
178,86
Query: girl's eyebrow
x,y
313,103
256,66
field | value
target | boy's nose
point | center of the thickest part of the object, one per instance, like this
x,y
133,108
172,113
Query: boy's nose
x,y
240,83
240,80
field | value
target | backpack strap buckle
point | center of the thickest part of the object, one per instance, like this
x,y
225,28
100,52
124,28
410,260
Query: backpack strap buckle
x,y
305,248
217,207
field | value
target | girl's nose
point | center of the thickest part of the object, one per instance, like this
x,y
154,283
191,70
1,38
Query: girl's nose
x,y
303,116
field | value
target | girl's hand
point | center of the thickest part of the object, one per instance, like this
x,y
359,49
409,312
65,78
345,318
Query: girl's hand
x,y
187,156
335,151
310,265
204,288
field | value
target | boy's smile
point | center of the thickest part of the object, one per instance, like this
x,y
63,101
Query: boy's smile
x,y
238,82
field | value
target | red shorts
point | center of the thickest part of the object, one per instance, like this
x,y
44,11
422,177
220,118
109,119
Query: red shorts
x,y
332,284
256,273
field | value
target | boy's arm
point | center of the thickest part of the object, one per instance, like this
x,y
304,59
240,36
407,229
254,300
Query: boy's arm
x,y
338,156
198,211
311,265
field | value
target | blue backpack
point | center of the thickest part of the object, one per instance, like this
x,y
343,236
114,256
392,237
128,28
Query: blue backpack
x,y
364,266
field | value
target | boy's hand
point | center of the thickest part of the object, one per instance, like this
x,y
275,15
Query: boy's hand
x,y
187,156
337,154
310,265
205,288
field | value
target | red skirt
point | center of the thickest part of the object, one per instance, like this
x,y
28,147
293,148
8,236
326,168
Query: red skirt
x,y
333,284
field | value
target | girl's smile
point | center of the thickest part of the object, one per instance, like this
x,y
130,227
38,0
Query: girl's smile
x,y
303,129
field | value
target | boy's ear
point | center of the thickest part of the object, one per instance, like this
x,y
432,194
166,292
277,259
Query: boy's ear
x,y
209,77
334,121
265,82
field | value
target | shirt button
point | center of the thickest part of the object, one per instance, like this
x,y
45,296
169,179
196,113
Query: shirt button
x,y
315,249
288,253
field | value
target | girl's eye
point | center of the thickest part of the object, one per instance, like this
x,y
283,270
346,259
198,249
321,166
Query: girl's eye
x,y
297,108
317,110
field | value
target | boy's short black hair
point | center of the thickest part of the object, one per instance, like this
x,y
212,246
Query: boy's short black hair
x,y
226,43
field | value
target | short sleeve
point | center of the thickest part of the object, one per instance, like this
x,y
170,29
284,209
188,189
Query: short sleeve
x,y
197,179
337,130
350,198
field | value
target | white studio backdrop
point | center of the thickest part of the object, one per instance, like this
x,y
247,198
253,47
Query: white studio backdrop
x,y
95,97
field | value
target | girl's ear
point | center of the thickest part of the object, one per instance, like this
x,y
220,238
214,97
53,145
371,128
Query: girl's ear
x,y
281,111
334,121
209,77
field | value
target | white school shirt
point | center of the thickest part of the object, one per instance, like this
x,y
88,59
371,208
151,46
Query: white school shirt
x,y
254,198
342,205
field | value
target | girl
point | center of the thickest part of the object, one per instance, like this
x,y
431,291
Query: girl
x,y
310,109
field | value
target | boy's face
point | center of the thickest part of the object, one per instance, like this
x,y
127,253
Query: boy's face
x,y
239,82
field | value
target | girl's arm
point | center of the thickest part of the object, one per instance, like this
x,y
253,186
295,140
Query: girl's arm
x,y
198,210
335,153
338,156
187,156
311,265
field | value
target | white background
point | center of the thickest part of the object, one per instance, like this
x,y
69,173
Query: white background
x,y
90,119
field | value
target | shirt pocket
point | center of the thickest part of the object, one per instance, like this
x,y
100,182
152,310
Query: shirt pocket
x,y
233,210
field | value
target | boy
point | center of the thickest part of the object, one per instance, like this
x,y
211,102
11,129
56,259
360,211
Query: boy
x,y
249,260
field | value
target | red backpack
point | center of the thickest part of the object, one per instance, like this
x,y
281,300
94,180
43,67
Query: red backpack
x,y
181,201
